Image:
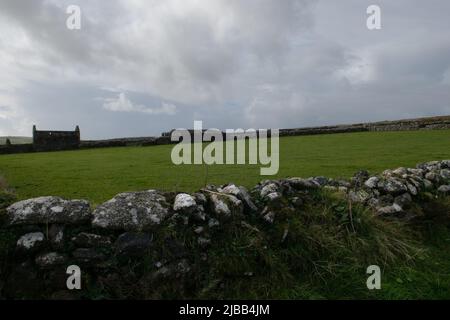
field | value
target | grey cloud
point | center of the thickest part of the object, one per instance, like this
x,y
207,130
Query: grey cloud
x,y
253,63
122,103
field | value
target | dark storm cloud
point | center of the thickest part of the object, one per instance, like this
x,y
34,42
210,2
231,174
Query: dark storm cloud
x,y
141,67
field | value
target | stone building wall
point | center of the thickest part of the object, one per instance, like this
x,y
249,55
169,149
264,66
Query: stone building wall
x,y
56,140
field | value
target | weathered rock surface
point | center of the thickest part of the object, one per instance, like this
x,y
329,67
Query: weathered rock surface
x,y
268,189
132,244
224,205
372,182
87,255
184,202
56,234
445,189
359,178
300,183
359,196
392,186
132,211
50,259
242,194
45,210
390,210
30,240
403,200
87,240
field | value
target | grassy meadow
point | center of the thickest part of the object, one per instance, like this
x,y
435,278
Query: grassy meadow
x,y
99,174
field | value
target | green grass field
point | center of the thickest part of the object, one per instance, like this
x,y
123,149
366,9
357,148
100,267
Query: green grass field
x,y
99,174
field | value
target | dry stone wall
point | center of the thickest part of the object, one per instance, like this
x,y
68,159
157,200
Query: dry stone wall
x,y
70,140
50,233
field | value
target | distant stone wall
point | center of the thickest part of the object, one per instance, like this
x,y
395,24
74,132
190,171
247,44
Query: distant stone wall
x,y
16,148
125,142
431,123
48,234
67,140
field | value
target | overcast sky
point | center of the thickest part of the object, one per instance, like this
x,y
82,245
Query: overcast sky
x,y
140,67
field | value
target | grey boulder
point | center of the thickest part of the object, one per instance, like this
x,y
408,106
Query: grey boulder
x,y
242,194
131,244
184,203
225,205
445,189
30,240
51,259
47,210
132,211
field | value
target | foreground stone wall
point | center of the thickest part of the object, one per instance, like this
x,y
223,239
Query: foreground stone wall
x,y
50,233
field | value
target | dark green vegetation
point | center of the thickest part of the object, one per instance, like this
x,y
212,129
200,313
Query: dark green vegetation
x,y
99,174
320,251
324,256
7,197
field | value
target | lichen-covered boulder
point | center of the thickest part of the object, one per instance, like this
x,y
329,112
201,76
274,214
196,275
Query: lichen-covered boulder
x,y
230,189
225,205
267,189
390,210
184,203
359,196
88,240
132,211
445,174
30,240
444,189
431,165
268,215
242,194
131,244
432,176
372,182
56,235
273,197
301,184
445,164
47,210
359,178
403,200
400,171
51,259
416,172
392,186
323,181
427,184
412,189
